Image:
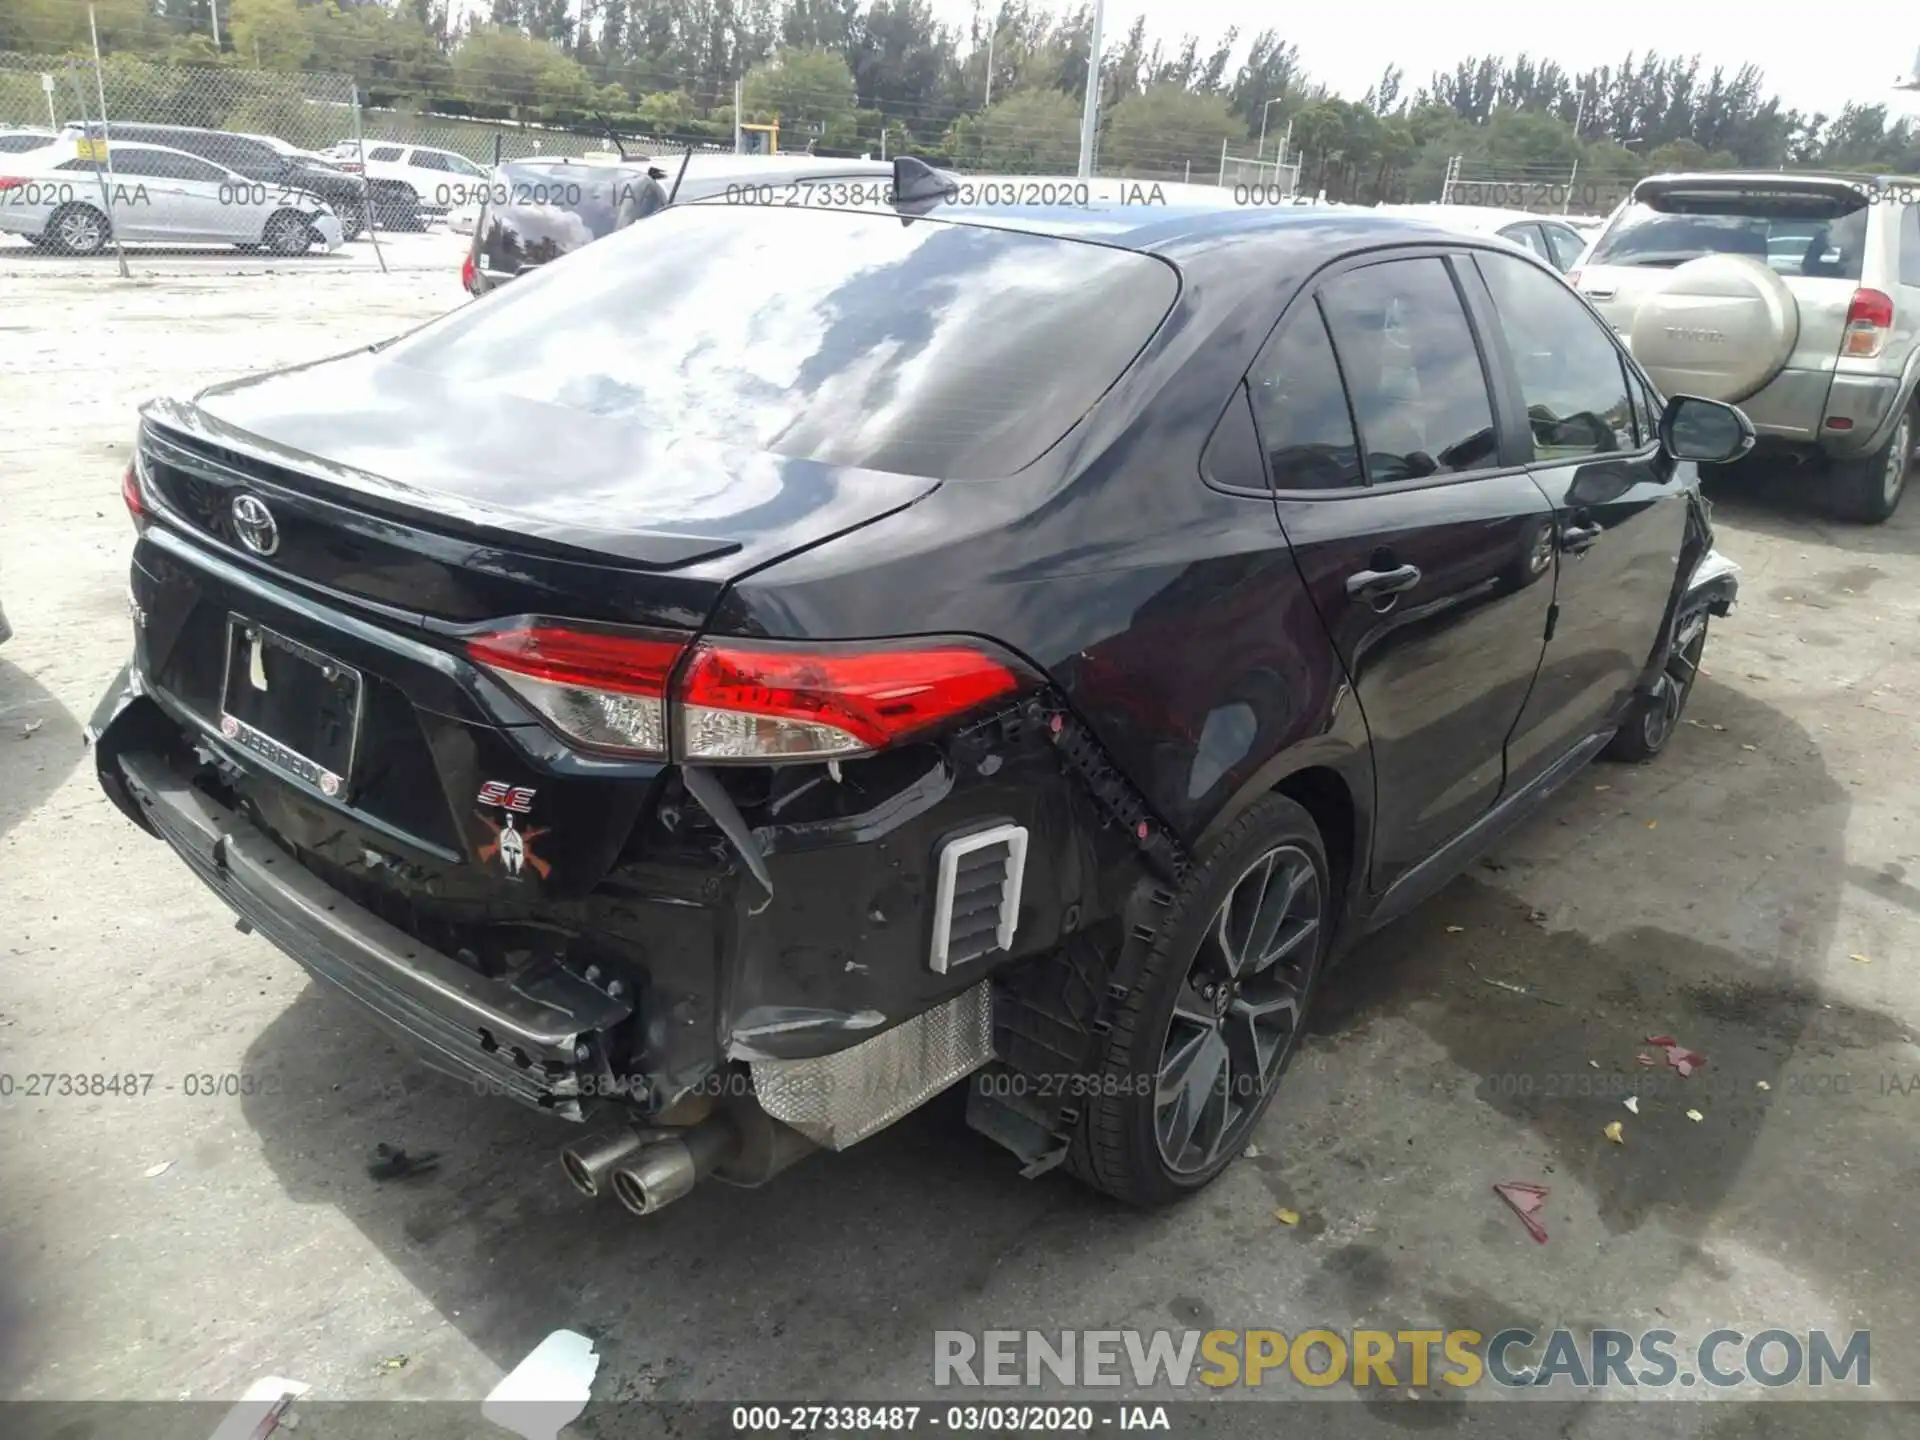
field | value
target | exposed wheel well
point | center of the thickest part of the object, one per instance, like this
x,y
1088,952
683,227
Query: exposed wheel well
x,y
1324,795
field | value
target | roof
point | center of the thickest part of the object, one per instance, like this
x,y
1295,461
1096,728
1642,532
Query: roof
x,y
1475,219
1132,216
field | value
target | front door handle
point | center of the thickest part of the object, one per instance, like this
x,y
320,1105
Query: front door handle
x,y
1379,584
1578,539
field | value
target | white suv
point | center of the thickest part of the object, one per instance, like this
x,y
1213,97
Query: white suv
x,y
1796,297
443,179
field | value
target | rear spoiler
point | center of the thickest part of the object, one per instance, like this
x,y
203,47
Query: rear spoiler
x,y
1820,196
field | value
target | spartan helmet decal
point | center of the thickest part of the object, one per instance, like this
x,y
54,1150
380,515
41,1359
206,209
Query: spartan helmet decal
x,y
514,847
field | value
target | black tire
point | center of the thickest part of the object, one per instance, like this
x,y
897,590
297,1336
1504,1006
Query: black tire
x,y
77,229
1657,716
40,242
287,232
1125,1133
1868,490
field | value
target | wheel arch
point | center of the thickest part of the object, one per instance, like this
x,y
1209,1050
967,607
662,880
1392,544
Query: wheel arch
x,y
1332,780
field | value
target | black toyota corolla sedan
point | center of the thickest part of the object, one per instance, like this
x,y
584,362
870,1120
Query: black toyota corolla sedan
x,y
737,682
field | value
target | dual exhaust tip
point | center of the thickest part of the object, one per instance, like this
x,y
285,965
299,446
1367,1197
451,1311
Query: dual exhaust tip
x,y
647,1170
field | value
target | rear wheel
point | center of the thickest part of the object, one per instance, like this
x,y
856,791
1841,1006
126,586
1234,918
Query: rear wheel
x,y
1656,715
1212,1019
288,232
78,230
1868,489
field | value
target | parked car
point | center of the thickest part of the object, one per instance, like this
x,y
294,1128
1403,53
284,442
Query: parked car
x,y
60,200
1554,240
439,180
1796,295
18,141
535,211
262,162
1021,642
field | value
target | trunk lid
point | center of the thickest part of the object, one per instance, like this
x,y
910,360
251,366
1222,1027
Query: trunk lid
x,y
423,496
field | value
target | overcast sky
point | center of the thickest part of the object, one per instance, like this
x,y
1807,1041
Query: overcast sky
x,y
1817,57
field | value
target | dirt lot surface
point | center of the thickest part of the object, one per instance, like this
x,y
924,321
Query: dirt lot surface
x,y
1756,894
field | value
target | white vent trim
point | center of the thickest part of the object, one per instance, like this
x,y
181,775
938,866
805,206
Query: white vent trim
x,y
1014,837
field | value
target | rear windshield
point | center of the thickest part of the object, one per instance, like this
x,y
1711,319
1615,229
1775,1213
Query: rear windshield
x,y
538,212
925,348
1785,237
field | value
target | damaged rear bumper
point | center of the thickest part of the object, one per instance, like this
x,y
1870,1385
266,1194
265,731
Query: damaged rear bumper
x,y
537,1038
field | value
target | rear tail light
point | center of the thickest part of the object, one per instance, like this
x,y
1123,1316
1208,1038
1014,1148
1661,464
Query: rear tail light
x,y
11,182
742,700
745,702
134,494
602,689
1869,322
466,274
1573,278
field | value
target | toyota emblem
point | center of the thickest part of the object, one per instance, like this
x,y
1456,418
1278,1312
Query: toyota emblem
x,y
253,522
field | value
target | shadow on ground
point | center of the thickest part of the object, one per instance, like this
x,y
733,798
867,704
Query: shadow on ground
x,y
40,743
843,1267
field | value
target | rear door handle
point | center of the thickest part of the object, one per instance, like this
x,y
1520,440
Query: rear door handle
x,y
1578,539
1378,584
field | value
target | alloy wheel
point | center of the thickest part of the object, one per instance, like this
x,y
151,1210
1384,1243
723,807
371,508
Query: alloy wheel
x,y
1237,1013
1899,457
80,231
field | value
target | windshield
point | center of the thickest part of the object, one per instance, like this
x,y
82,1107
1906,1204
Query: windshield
x,y
1831,248
924,348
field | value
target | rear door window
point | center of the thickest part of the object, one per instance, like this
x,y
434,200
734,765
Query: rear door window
x,y
384,152
1529,236
429,160
1412,369
1300,408
1564,244
1910,243
954,351
1569,371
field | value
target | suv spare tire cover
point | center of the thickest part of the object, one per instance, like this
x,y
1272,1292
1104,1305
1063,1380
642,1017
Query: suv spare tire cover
x,y
1721,328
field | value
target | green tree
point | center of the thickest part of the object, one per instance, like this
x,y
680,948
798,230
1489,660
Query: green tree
x,y
809,87
272,34
509,68
1164,129
1031,132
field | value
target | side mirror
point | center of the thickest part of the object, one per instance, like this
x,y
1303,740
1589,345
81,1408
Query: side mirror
x,y
1704,430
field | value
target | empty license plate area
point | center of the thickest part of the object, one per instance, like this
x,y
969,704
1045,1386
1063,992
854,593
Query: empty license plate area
x,y
291,705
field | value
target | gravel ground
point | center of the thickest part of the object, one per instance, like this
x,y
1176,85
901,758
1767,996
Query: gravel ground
x,y
1755,894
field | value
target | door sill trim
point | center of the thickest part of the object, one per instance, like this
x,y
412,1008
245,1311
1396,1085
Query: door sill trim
x,y
1453,857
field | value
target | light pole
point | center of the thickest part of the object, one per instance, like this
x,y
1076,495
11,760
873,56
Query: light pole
x,y
1260,150
989,100
213,9
1090,115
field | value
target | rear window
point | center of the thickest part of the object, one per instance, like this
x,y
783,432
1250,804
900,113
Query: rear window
x,y
1784,237
539,212
924,348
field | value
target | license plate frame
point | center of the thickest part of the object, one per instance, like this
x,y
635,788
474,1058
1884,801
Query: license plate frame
x,y
338,691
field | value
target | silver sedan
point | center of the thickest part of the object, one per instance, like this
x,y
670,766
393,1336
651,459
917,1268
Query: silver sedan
x,y
59,198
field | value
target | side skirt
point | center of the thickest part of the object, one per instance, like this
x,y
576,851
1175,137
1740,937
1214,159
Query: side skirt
x,y
1438,868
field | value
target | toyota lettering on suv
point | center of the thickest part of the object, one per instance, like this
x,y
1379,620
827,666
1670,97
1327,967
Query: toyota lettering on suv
x,y
1023,644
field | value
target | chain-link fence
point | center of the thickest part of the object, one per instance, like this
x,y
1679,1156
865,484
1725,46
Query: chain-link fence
x,y
130,159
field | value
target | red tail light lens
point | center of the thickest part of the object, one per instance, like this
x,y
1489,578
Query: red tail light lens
x,y
11,182
1869,322
466,274
136,499
741,700
745,702
604,690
